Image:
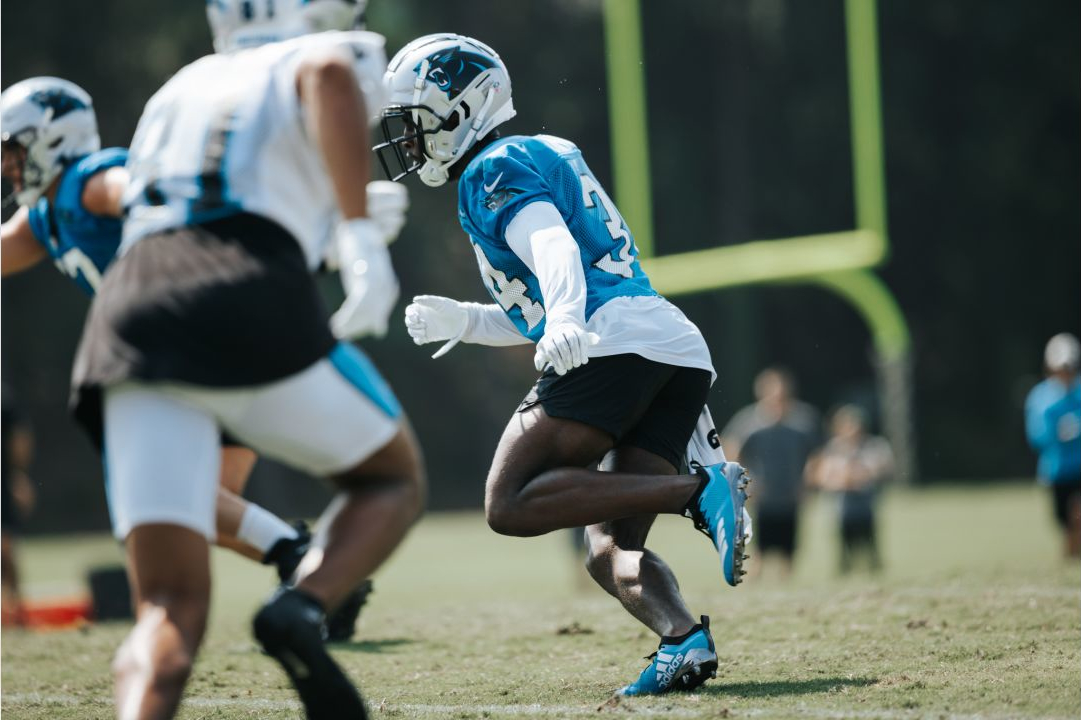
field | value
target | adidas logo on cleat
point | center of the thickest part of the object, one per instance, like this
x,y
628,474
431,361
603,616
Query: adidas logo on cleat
x,y
667,670
722,538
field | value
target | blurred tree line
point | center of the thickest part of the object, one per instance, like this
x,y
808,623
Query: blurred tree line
x,y
749,140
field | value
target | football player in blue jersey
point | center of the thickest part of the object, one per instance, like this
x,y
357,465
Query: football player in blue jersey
x,y
625,374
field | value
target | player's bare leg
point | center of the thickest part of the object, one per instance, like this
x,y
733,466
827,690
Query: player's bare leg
x,y
380,499
236,466
237,463
245,527
230,511
539,479
538,483
620,563
1073,529
9,580
172,600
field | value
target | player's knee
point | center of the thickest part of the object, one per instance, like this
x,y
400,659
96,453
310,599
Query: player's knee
x,y
506,518
396,468
414,492
608,562
599,555
406,492
499,518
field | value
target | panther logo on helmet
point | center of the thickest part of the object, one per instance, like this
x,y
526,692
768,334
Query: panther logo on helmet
x,y
60,102
47,123
453,69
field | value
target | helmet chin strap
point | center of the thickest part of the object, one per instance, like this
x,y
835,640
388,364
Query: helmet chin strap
x,y
434,173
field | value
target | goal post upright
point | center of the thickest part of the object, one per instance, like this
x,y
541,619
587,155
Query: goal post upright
x,y
840,263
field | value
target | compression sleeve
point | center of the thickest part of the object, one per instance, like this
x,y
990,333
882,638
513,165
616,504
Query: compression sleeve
x,y
489,325
540,237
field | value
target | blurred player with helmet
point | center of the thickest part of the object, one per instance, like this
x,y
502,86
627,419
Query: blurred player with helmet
x,y
562,268
244,166
69,191
1053,427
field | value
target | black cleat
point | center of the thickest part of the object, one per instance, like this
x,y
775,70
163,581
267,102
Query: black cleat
x,y
290,629
288,552
342,623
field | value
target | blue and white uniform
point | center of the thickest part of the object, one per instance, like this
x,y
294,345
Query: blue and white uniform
x,y
80,243
1053,426
209,320
226,135
519,185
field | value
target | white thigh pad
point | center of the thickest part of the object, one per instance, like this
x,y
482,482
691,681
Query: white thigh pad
x,y
162,460
324,419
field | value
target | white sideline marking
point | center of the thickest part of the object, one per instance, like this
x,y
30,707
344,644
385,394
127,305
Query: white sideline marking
x,y
31,699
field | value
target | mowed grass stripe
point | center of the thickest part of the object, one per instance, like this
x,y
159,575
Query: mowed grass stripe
x,y
459,711
974,617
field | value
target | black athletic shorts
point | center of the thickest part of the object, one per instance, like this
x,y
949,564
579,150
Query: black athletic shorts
x,y
1065,495
639,402
229,303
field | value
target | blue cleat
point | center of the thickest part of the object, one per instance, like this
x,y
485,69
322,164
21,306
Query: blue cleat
x,y
680,664
717,509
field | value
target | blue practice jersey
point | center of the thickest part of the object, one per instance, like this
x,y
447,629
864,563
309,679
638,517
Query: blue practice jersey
x,y
1053,426
516,171
81,244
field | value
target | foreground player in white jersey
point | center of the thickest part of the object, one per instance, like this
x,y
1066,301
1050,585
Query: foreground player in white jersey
x,y
71,196
561,265
70,192
242,167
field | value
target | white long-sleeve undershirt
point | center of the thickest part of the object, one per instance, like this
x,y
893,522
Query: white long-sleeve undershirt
x,y
538,236
649,326
489,325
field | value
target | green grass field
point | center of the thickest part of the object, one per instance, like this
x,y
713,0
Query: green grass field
x,y
975,616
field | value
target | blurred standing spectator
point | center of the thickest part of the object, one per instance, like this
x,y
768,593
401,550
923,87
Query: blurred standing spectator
x,y
773,438
16,502
1053,425
854,465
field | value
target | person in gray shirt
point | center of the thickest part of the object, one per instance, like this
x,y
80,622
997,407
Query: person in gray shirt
x,y
773,437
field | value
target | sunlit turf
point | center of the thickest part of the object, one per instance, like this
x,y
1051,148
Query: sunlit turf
x,y
975,616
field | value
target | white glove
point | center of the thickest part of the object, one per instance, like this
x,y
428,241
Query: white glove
x,y
431,318
387,203
371,288
565,346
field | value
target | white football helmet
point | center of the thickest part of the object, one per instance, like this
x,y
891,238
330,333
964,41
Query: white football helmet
x,y
1063,352
446,92
52,122
242,24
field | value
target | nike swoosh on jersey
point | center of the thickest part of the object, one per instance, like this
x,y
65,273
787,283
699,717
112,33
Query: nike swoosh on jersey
x,y
489,188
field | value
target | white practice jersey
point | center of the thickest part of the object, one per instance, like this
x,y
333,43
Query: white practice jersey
x,y
226,135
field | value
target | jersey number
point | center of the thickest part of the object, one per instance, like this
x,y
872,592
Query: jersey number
x,y
509,292
614,223
75,261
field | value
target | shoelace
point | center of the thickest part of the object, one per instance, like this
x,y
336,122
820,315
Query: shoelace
x,y
699,521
